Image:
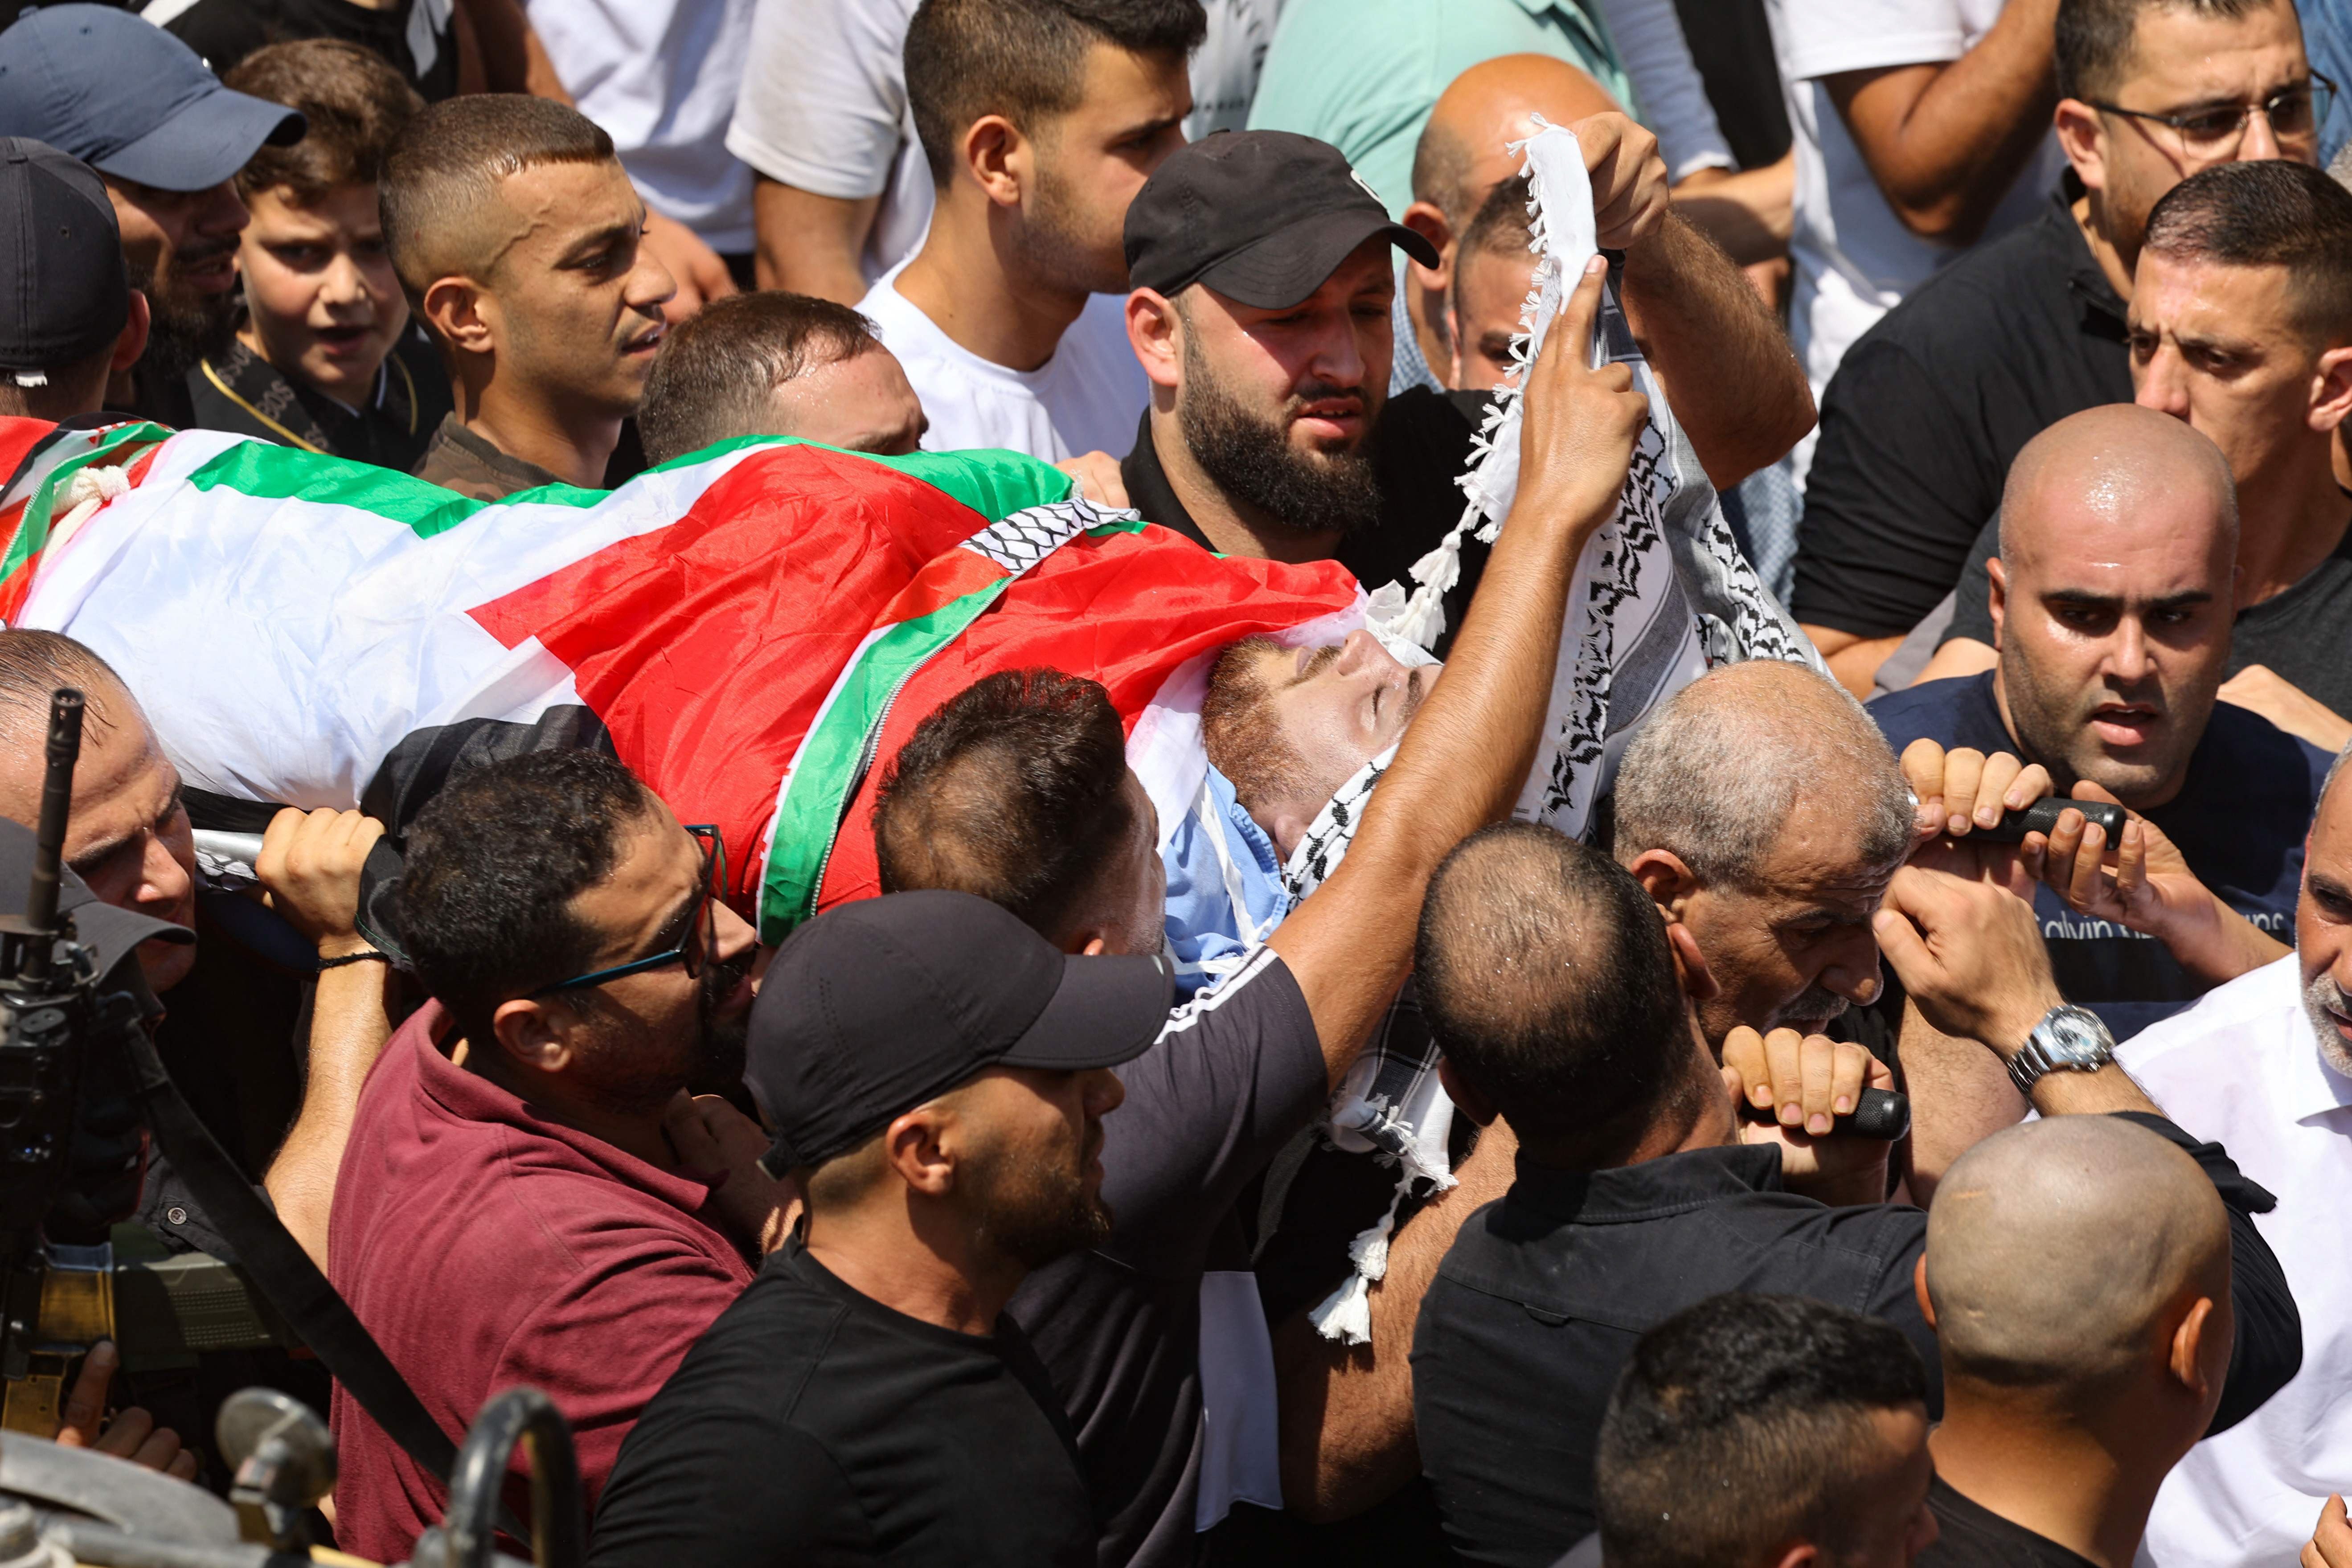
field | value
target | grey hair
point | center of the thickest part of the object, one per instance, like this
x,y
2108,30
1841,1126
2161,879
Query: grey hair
x,y
1713,773
2332,769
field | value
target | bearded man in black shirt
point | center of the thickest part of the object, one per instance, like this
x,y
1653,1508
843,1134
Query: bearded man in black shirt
x,y
2077,1273
1261,313
937,1075
1929,408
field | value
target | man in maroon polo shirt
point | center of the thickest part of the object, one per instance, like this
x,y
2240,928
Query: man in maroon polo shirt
x,y
531,1195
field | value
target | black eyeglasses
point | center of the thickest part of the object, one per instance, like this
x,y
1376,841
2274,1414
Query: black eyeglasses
x,y
693,949
2295,115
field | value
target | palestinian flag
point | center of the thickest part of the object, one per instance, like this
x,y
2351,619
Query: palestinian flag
x,y
752,630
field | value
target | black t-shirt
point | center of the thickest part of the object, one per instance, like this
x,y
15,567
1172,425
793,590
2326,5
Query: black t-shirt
x,y
813,1424
2302,634
418,36
2239,820
241,392
1973,1536
1420,446
1235,1076
1929,407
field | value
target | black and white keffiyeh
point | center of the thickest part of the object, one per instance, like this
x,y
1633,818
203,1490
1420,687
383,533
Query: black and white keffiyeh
x,y
1662,595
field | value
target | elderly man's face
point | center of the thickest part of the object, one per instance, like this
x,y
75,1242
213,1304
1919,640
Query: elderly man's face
x,y
1795,948
2323,927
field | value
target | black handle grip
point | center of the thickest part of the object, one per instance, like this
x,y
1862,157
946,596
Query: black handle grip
x,y
2042,816
1877,1113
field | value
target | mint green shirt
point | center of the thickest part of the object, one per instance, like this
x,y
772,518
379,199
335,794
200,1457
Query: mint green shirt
x,y
1364,74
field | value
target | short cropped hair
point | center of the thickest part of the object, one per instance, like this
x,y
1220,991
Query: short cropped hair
x,y
2094,37
1736,1427
716,370
354,102
1011,790
1713,772
2274,212
448,162
492,863
1545,976
1024,59
33,665
1501,225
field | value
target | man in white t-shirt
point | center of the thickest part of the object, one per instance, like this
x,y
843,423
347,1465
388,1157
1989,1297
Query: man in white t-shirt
x,y
660,76
839,186
1039,121
1922,126
2264,1065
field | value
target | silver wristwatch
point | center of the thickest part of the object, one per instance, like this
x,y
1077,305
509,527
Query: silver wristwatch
x,y
2068,1039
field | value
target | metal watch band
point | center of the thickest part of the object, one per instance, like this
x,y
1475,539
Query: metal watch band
x,y
2067,1039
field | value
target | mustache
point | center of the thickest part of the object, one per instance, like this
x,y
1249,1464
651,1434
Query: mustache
x,y
1323,391
1815,1005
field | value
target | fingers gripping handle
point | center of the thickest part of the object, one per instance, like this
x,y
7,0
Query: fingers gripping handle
x,y
2042,818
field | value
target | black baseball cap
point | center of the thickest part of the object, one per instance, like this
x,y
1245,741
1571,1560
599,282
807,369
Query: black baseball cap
x,y
130,100
114,934
1262,216
63,294
876,1006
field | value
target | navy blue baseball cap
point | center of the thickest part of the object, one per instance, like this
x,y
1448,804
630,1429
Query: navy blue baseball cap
x,y
130,100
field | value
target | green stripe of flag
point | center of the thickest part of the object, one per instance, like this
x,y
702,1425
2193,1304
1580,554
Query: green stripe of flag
x,y
993,484
33,532
801,841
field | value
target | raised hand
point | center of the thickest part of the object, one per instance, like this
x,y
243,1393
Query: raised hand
x,y
1579,424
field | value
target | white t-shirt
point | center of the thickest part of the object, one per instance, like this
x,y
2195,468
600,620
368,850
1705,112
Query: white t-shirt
x,y
823,104
1854,259
660,76
1087,398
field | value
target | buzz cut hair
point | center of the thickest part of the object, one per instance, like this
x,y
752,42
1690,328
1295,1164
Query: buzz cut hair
x,y
2094,39
2275,213
446,164
1024,59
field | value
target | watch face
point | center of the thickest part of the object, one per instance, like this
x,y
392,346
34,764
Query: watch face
x,y
2078,1037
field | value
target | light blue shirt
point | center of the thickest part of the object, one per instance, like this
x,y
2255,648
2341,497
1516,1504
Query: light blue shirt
x,y
1364,74
1205,922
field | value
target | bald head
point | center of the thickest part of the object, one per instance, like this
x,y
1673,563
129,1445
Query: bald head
x,y
2119,468
1717,774
2060,1252
1460,156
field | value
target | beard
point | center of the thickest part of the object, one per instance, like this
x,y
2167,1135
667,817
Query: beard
x,y
184,325
2324,1000
717,1063
2053,728
1035,1209
1250,458
1053,250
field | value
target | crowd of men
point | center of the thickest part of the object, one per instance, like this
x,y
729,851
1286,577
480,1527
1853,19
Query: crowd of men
x,y
961,1226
